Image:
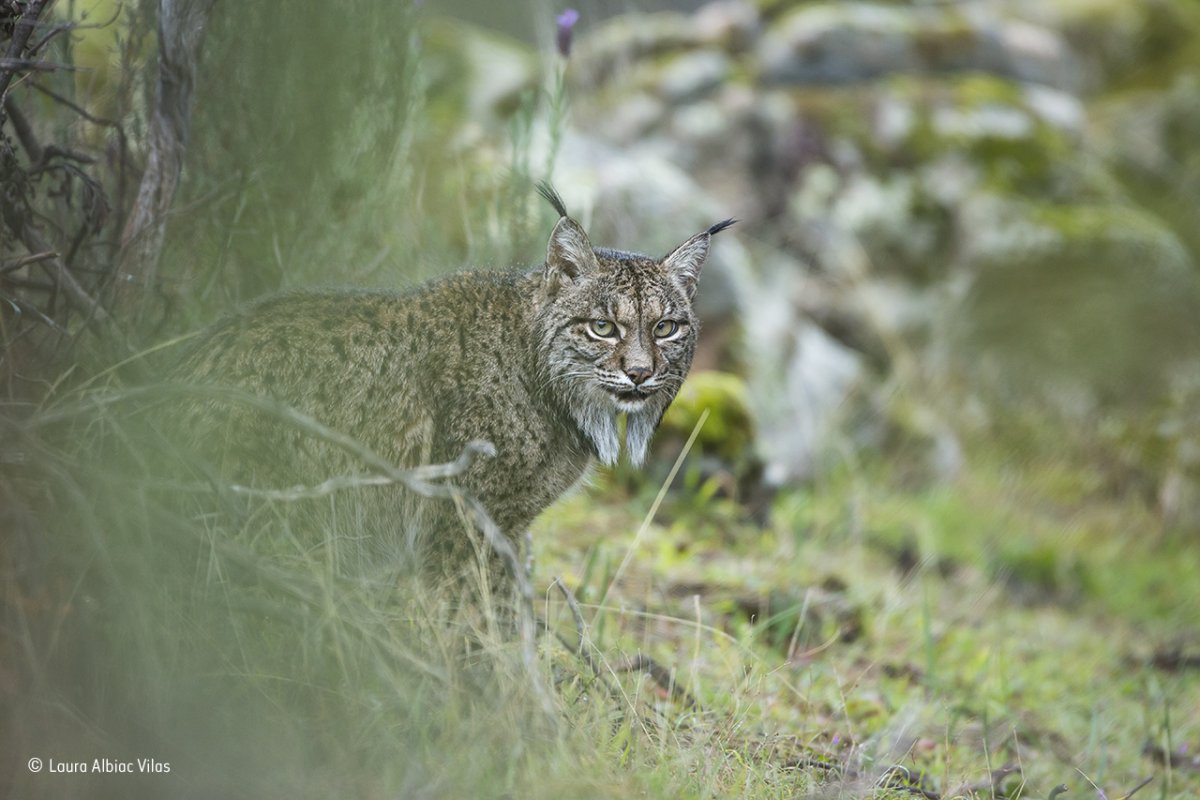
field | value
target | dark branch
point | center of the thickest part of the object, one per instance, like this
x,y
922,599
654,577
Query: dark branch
x,y
661,676
74,107
33,65
17,263
24,132
16,46
180,35
66,27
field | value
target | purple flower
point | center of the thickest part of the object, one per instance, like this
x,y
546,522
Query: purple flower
x,y
566,24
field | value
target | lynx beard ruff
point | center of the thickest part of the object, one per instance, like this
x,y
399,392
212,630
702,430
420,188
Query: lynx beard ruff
x,y
596,415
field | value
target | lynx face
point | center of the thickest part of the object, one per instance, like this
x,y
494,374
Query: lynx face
x,y
617,333
634,331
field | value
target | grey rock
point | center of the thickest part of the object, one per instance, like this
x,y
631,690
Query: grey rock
x,y
691,75
633,118
837,43
801,378
729,24
830,43
621,42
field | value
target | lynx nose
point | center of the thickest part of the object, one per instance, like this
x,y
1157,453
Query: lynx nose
x,y
638,375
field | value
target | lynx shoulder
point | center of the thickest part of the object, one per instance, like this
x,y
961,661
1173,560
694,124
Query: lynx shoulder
x,y
539,363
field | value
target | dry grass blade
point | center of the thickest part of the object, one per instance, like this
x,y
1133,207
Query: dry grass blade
x,y
649,518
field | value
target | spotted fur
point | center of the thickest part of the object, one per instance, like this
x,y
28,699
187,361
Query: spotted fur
x,y
514,358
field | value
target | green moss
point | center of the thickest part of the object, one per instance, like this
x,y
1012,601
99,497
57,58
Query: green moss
x,y
728,431
1010,161
978,89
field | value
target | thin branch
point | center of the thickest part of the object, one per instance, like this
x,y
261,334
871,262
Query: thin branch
x,y
25,308
181,26
302,492
71,26
34,65
17,263
78,109
24,132
1137,788
661,675
577,615
60,273
54,151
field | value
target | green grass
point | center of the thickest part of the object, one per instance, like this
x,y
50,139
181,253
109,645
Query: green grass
x,y
951,631
1004,618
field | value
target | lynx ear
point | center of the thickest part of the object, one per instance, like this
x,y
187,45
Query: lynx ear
x,y
685,262
569,254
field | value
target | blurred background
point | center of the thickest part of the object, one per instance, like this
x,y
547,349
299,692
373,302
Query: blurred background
x,y
949,378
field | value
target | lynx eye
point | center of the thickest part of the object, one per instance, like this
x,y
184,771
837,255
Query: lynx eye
x,y
665,329
602,328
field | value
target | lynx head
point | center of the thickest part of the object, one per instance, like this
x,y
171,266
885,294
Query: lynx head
x,y
616,331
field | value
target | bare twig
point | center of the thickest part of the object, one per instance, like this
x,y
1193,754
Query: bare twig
x,y
424,473
1137,788
17,263
661,676
55,151
36,313
577,615
33,65
24,132
583,647
78,109
59,271
71,25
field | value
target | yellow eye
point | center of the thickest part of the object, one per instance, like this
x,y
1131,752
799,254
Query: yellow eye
x,y
603,328
665,328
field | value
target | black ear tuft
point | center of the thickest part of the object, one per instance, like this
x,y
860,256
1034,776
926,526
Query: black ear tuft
x,y
720,226
547,191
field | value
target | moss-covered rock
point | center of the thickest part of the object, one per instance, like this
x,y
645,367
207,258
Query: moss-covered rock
x,y
830,43
616,44
728,430
1118,43
1076,304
